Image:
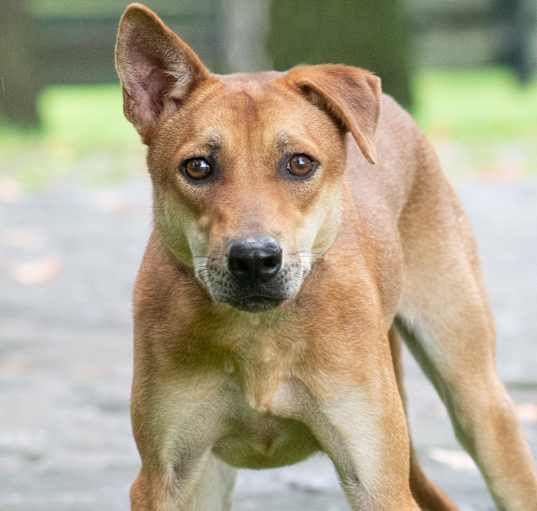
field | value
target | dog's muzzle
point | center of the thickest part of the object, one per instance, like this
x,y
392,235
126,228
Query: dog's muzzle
x,y
252,274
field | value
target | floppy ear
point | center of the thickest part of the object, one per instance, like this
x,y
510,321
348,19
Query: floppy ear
x,y
350,94
156,68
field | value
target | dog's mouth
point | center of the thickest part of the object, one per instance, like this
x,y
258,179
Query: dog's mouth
x,y
250,297
256,303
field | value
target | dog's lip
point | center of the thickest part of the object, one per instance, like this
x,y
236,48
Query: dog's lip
x,y
257,303
261,297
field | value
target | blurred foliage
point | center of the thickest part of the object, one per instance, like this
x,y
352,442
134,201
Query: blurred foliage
x,y
369,33
49,42
476,105
85,135
89,8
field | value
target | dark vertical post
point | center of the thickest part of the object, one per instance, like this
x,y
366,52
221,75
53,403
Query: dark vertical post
x,y
366,33
521,19
19,77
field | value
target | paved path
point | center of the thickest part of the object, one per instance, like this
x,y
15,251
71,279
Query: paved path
x,y
67,261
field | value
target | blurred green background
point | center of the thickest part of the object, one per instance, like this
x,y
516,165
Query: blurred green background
x,y
464,68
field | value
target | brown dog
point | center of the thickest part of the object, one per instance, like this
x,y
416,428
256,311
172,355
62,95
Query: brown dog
x,y
281,268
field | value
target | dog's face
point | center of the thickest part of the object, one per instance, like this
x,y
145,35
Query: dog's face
x,y
246,182
247,169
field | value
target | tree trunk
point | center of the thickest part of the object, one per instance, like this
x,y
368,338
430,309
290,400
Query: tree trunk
x,y
365,33
19,81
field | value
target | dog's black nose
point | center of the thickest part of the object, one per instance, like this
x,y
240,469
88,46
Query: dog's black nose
x,y
254,260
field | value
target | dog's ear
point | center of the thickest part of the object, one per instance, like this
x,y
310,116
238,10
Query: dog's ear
x,y
349,94
156,68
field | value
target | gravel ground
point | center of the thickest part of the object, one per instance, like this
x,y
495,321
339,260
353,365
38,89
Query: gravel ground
x,y
68,257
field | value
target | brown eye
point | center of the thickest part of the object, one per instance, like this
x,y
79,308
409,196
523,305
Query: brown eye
x,y
197,169
300,165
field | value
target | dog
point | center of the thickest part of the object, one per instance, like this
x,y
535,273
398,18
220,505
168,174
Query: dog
x,y
302,228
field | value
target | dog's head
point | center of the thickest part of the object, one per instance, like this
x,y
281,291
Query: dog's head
x,y
247,169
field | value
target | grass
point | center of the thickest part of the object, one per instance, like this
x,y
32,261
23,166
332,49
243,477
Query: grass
x,y
482,121
476,105
84,133
482,116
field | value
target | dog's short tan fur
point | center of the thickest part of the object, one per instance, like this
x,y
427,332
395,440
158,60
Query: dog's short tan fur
x,y
370,251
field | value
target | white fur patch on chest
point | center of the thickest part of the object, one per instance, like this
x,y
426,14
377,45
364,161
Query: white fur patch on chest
x,y
264,376
260,358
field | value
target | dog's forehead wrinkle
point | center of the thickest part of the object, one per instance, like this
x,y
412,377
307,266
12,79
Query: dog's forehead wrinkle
x,y
249,79
213,139
229,118
255,117
282,139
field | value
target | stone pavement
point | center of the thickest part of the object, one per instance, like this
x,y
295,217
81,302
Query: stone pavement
x,y
68,257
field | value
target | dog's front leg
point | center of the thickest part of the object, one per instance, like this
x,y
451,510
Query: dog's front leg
x,y
205,484
175,424
362,427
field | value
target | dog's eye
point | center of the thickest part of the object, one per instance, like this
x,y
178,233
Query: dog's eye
x,y
197,169
301,165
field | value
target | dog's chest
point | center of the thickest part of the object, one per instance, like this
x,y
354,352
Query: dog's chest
x,y
263,440
264,371
264,429
262,432
261,358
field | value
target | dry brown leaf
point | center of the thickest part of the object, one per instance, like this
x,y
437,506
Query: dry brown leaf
x,y
111,202
10,190
527,412
502,173
39,271
22,238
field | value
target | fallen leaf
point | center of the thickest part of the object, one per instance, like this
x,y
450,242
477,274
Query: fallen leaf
x,y
457,460
10,190
503,171
111,202
527,412
22,238
39,271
